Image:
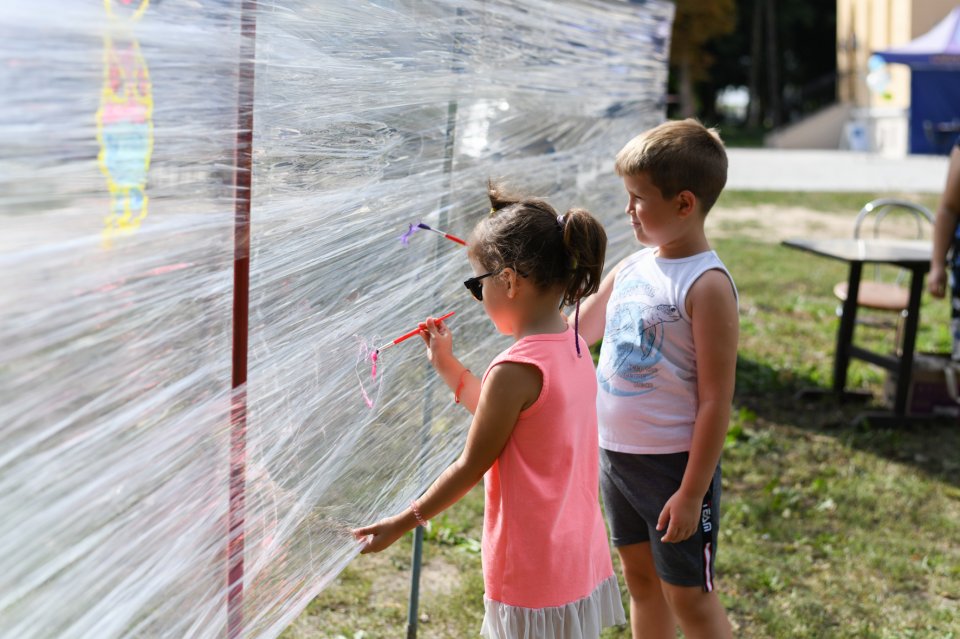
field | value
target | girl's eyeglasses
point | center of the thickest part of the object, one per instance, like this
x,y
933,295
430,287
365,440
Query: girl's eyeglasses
x,y
475,286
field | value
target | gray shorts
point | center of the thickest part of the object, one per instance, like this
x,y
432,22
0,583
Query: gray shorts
x,y
635,489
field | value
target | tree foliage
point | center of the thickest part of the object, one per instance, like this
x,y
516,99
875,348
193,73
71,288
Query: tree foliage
x,y
721,55
696,23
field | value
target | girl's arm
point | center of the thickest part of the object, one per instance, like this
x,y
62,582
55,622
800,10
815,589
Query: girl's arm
x,y
509,389
944,227
593,310
713,312
439,340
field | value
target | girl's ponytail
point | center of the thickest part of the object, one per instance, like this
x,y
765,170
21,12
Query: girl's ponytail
x,y
586,244
500,198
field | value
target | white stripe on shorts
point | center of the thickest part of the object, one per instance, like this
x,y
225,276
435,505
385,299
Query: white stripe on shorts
x,y
707,571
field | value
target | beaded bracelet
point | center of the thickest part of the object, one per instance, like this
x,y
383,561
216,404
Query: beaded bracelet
x,y
460,383
416,513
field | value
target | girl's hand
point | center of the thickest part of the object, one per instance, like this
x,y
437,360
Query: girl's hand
x,y
439,340
937,281
381,535
681,516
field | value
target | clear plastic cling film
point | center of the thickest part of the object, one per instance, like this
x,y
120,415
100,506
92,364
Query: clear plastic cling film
x,y
118,209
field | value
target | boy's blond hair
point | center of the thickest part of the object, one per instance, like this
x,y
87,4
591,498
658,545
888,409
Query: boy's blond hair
x,y
678,155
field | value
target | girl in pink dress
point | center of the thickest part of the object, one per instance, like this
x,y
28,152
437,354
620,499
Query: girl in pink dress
x,y
546,561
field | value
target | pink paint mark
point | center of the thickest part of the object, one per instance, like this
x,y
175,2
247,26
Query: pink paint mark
x,y
106,288
129,111
366,398
160,270
170,268
367,355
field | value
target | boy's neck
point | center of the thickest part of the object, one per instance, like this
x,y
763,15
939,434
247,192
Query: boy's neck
x,y
687,244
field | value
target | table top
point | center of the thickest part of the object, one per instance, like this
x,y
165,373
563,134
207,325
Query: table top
x,y
909,253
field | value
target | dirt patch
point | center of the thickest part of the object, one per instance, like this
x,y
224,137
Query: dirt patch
x,y
772,223
437,577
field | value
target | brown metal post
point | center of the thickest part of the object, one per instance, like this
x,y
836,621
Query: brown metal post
x,y
243,172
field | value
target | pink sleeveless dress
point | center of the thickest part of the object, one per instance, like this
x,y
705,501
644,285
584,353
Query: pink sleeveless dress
x,y
546,560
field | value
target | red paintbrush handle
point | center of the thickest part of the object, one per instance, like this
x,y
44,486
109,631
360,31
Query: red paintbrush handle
x,y
415,331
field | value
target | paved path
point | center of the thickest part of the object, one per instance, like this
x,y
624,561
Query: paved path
x,y
808,170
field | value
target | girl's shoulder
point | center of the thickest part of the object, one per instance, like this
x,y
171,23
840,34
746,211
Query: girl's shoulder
x,y
520,380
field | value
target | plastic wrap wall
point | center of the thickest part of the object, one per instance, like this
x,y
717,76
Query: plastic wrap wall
x,y
130,470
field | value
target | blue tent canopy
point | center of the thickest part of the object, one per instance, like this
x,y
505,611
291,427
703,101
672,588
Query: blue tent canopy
x,y
934,61
938,48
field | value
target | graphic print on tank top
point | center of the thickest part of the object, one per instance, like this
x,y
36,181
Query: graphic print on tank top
x,y
633,337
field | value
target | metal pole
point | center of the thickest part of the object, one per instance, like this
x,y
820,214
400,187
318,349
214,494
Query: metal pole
x,y
243,172
414,603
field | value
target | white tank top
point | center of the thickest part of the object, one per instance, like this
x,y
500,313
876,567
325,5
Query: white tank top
x,y
647,374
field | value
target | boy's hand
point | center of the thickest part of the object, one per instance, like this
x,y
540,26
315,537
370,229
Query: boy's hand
x,y
681,517
380,535
439,340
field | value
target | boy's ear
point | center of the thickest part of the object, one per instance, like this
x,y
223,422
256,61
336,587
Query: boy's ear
x,y
686,203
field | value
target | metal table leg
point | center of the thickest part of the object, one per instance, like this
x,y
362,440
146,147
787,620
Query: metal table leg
x,y
845,332
905,367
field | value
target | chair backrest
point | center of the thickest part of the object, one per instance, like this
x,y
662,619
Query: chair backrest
x,y
911,219
893,218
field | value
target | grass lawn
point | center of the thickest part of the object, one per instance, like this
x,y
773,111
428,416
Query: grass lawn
x,y
817,201
828,529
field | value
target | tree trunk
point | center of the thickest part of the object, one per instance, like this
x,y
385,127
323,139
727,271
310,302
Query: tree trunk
x,y
754,109
773,67
688,107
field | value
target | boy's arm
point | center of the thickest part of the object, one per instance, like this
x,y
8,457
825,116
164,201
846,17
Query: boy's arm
x,y
712,307
945,226
593,310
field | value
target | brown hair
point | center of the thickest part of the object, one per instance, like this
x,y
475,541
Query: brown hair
x,y
678,155
526,234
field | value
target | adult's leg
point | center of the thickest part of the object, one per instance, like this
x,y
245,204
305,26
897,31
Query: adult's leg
x,y
701,615
650,615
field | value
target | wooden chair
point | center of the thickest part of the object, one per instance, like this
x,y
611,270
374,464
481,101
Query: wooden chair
x,y
894,219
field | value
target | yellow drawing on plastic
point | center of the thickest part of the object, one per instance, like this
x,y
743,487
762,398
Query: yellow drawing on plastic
x,y
124,120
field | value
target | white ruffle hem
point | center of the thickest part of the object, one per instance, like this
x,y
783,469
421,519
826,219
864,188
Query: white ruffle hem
x,y
581,619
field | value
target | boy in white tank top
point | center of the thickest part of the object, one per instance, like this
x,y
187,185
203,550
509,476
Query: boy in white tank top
x,y
669,322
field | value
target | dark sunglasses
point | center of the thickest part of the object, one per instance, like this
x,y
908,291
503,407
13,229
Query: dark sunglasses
x,y
475,286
